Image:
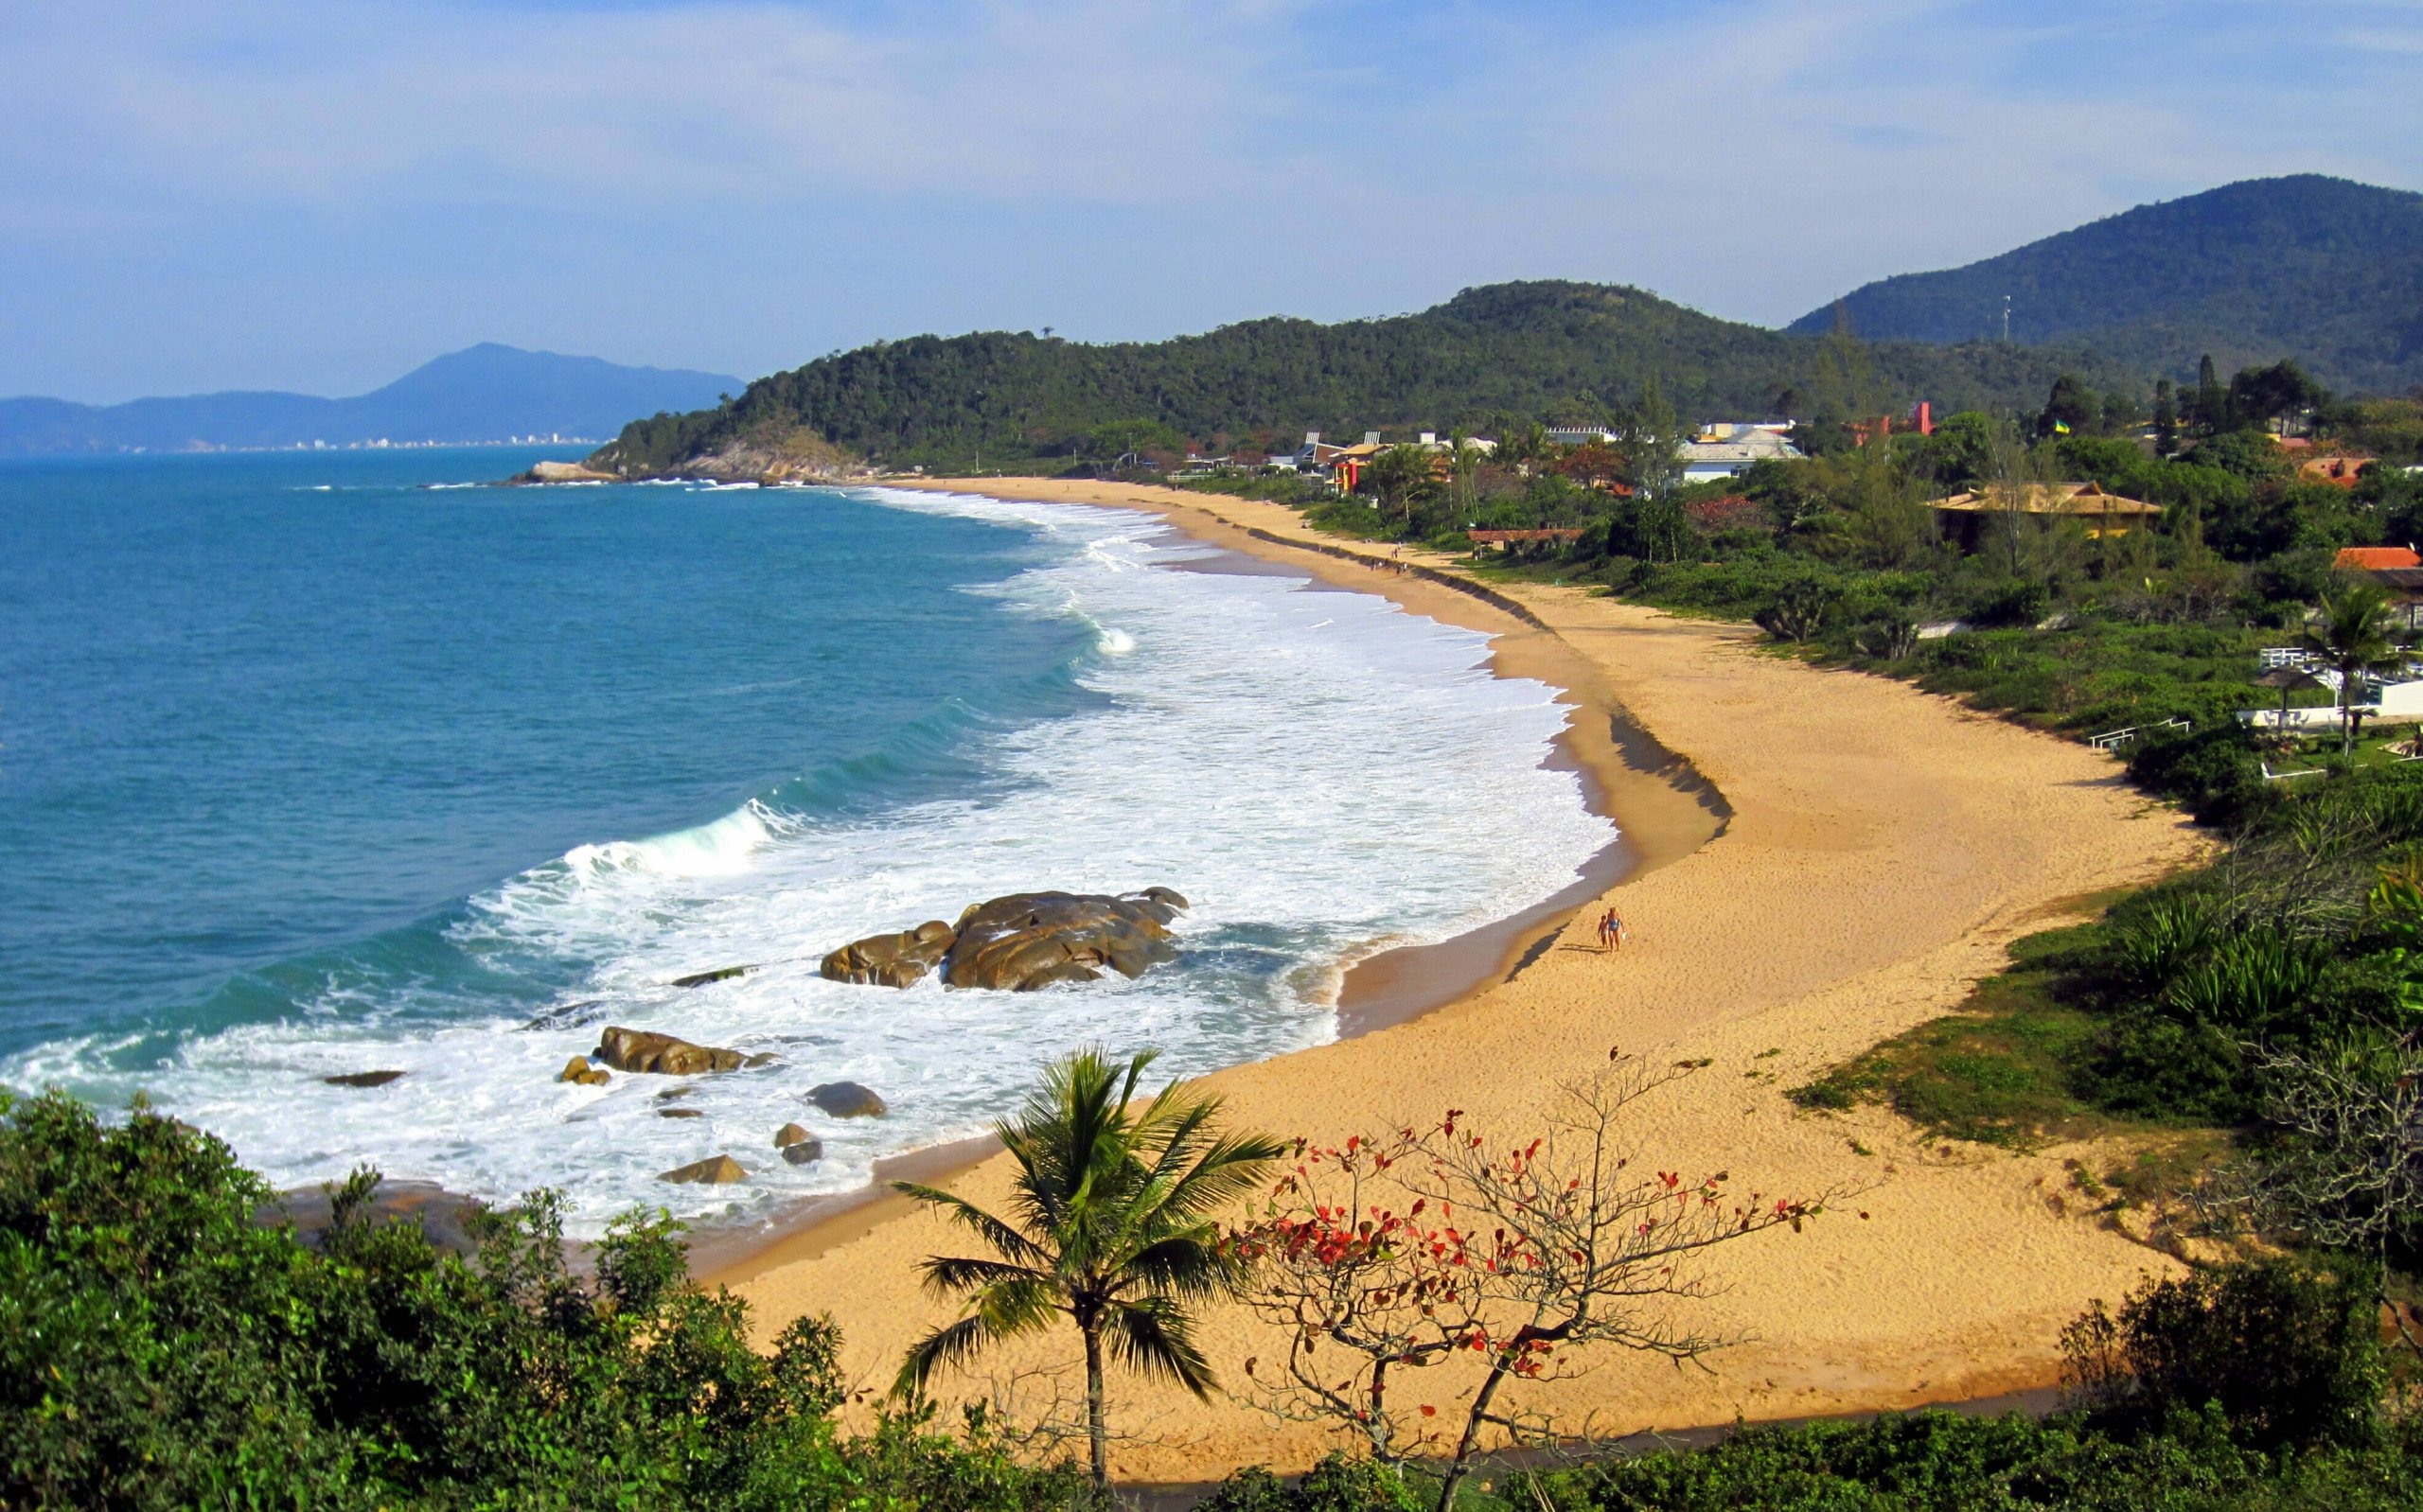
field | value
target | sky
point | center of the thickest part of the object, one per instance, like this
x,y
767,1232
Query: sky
x,y
319,195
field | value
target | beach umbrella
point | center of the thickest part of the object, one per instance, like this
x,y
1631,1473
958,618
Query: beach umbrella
x,y
2288,679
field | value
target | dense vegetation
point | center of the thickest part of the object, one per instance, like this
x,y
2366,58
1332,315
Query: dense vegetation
x,y
2321,270
1018,401
161,1347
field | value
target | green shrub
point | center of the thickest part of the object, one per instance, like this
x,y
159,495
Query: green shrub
x,y
2287,1355
160,1349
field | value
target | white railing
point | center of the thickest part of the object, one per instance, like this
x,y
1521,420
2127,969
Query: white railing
x,y
2114,739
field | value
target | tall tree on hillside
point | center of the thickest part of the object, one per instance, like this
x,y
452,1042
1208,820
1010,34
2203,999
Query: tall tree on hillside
x,y
2166,419
2281,392
2352,638
2212,400
1112,1226
1651,440
2071,408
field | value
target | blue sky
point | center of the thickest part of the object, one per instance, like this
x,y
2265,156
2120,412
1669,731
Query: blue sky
x,y
319,194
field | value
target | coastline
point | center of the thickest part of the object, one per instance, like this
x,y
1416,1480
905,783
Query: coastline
x,y
1882,849
1626,775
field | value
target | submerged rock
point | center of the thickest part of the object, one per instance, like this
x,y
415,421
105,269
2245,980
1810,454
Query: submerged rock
x,y
892,960
721,974
717,1171
570,1015
361,1078
679,1113
643,1051
847,1100
1032,940
578,1069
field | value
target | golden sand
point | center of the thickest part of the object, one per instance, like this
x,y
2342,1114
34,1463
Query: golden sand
x,y
1883,845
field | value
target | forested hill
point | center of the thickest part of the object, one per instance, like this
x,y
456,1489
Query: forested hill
x,y
2324,271
1533,348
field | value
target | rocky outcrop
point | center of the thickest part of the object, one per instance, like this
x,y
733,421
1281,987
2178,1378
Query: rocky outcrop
x,y
892,960
562,472
717,1171
641,1050
578,1069
1032,940
1022,942
361,1078
798,1146
847,1100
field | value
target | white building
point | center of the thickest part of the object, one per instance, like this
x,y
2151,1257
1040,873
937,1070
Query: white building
x,y
1727,449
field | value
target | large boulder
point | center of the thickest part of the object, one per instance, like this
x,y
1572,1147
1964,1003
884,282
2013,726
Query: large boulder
x,y
641,1050
892,960
847,1100
714,1171
1032,940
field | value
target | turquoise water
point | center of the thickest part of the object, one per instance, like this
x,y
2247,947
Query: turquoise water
x,y
313,763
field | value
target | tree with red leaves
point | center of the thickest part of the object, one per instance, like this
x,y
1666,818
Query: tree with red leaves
x,y
1378,1257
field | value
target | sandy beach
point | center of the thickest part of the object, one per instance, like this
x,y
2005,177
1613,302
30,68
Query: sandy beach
x,y
1818,860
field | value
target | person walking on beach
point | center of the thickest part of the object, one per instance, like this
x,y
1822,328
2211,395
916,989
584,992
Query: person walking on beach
x,y
1611,930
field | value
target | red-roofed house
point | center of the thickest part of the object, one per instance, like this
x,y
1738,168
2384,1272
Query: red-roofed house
x,y
2376,558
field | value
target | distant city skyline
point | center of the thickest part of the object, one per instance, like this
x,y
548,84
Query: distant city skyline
x,y
274,195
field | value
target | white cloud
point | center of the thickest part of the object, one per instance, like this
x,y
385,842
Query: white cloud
x,y
1113,166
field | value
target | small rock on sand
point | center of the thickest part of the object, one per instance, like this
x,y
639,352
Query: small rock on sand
x,y
714,1171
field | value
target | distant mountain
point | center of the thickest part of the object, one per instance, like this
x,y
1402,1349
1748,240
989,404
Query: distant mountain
x,y
2322,269
484,392
1531,348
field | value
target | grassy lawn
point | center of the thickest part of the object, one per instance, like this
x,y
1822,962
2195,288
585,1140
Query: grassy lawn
x,y
1995,1071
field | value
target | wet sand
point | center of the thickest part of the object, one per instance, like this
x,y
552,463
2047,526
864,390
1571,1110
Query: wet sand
x,y
1820,860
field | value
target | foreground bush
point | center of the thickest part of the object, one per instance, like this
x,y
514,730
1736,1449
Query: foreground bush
x,y
160,1349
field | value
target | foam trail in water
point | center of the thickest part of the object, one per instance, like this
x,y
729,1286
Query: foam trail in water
x,y
1321,773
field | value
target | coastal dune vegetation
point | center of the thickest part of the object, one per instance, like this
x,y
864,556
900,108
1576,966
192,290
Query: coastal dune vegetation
x,y
163,1344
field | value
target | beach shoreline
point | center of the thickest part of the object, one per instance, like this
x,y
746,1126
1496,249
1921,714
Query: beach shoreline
x,y
1625,777
1867,852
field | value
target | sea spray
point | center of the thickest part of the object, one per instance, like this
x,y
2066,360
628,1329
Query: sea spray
x,y
1319,772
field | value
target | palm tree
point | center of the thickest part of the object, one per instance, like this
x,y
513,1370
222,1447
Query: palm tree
x,y
2351,635
1111,1226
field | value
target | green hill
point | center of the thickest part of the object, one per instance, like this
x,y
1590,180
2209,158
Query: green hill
x,y
1541,348
2324,271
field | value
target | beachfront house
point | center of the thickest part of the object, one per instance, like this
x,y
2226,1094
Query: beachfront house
x,y
1728,448
1964,517
2398,570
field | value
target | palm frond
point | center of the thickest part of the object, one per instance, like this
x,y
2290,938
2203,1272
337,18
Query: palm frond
x,y
952,1276
994,1231
1152,1338
1190,1264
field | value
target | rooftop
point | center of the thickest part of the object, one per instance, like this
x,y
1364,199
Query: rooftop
x,y
2046,498
2376,558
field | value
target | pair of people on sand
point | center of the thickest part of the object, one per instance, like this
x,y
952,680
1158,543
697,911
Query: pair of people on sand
x,y
1612,931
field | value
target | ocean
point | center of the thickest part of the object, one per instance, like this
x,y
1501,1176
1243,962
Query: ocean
x,y
319,763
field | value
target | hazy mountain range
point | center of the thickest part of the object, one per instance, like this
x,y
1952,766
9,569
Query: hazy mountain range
x,y
484,392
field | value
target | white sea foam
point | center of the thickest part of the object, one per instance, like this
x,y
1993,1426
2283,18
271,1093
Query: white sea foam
x,y
1319,772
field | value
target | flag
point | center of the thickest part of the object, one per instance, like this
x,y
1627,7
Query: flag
x,y
2060,428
